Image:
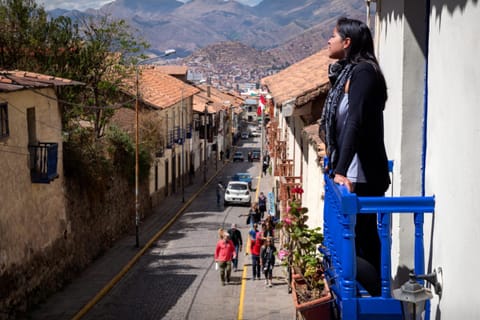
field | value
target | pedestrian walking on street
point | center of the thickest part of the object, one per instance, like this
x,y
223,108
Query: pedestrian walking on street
x,y
255,248
262,204
224,253
220,191
253,215
267,260
236,237
268,227
265,166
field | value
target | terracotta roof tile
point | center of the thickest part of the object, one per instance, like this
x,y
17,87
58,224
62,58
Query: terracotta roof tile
x,y
217,100
173,70
302,81
159,89
19,80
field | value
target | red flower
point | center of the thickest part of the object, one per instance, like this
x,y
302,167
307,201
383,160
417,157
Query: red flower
x,y
298,190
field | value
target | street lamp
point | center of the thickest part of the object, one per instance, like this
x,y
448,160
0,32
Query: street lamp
x,y
137,98
413,295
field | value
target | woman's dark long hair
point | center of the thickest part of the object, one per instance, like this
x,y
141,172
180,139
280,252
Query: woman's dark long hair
x,y
361,43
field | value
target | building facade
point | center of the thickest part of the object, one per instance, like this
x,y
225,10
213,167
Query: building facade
x,y
427,50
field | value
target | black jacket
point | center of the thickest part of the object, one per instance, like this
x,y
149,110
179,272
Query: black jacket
x,y
363,130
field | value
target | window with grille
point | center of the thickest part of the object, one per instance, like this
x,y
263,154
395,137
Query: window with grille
x,y
4,130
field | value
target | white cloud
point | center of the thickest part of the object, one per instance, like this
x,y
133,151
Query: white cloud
x,y
81,5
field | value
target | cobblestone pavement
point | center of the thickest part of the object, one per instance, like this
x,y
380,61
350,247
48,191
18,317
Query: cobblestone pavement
x,y
175,278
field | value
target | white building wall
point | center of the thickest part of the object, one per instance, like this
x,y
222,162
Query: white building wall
x,y
297,160
452,136
452,155
312,197
401,38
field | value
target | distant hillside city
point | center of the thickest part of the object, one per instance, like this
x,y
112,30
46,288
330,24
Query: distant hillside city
x,y
230,44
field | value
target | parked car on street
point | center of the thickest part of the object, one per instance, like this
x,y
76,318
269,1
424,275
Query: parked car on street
x,y
243,176
255,133
256,155
244,135
237,192
238,156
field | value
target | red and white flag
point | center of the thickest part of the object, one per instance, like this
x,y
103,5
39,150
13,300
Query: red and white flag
x,y
261,105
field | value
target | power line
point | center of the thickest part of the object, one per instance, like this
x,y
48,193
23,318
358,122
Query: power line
x,y
38,121
64,102
14,152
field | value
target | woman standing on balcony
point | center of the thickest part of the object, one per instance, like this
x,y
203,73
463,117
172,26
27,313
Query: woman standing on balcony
x,y
353,123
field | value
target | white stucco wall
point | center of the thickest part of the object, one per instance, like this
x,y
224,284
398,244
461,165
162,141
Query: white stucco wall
x,y
453,152
312,197
453,131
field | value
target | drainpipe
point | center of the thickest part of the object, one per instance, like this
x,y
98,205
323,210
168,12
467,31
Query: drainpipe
x,y
425,122
425,94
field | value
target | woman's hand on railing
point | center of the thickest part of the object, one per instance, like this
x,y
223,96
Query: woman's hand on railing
x,y
343,181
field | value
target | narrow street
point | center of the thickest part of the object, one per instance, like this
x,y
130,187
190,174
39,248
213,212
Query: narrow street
x,y
176,278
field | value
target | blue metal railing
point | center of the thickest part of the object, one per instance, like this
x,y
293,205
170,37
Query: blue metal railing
x,y
43,162
340,212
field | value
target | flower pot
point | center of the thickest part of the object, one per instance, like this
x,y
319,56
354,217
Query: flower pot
x,y
319,308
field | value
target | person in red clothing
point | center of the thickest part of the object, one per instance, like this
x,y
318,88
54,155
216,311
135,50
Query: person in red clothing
x,y
224,253
255,247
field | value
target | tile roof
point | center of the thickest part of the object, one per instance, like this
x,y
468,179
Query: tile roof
x,y
158,89
173,70
216,100
222,96
19,80
302,81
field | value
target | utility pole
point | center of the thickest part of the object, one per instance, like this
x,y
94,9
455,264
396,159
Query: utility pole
x,y
183,145
137,142
205,146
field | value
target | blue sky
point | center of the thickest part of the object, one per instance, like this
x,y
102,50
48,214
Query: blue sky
x,y
82,5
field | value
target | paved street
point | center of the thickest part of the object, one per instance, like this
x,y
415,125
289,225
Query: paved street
x,y
176,278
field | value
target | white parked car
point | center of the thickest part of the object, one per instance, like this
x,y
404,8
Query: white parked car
x,y
255,133
237,192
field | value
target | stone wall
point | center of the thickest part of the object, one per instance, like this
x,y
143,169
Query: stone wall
x,y
95,221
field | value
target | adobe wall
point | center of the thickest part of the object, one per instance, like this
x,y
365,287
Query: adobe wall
x,y
93,222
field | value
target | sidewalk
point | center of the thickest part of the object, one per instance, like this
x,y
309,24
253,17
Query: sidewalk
x,y
259,302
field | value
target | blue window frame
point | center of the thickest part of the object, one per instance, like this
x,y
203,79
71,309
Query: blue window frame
x,y
4,129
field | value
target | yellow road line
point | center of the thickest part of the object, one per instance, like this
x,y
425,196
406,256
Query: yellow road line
x,y
244,273
242,293
135,259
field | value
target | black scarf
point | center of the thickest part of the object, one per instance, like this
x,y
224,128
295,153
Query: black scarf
x,y
338,73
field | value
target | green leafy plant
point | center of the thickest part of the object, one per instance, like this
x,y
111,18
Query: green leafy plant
x,y
300,252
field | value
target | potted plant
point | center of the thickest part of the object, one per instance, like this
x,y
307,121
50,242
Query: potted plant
x,y
300,254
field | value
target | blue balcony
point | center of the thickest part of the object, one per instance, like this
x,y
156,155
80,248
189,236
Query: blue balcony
x,y
341,210
43,162
170,140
